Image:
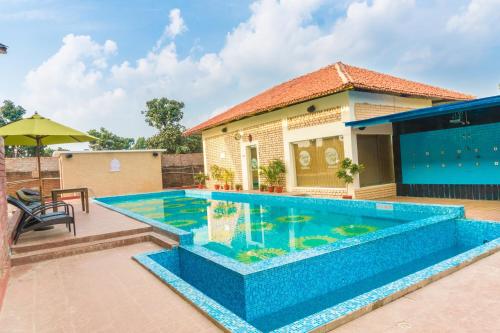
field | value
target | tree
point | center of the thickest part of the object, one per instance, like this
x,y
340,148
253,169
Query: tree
x,y
10,112
140,143
165,115
107,140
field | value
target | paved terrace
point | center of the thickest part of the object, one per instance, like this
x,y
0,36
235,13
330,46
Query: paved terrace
x,y
105,291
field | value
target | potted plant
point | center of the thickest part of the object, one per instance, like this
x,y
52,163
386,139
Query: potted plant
x,y
268,174
216,173
228,177
278,168
347,171
263,187
238,187
200,178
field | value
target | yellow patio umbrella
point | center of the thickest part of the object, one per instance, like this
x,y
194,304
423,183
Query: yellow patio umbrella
x,y
39,131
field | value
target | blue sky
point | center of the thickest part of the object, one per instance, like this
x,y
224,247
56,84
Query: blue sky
x,y
95,63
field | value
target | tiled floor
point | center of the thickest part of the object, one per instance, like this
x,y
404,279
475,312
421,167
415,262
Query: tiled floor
x,y
102,291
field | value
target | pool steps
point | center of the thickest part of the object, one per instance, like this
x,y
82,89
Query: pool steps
x,y
39,252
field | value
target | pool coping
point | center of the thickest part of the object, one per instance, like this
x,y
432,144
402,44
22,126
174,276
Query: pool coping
x,y
185,238
329,318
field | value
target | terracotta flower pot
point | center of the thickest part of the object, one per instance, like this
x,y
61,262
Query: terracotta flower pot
x,y
347,196
278,189
226,187
200,186
217,186
270,188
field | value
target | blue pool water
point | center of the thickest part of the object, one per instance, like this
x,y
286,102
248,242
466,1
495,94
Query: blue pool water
x,y
254,231
260,263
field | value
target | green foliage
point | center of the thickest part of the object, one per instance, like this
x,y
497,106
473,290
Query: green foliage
x,y
216,172
273,172
227,176
140,143
10,112
107,140
200,178
348,170
165,115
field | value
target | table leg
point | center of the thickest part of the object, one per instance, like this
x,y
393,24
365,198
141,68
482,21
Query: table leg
x,y
54,199
82,198
87,200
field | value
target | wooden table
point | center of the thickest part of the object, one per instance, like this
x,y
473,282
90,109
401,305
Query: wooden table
x,y
84,196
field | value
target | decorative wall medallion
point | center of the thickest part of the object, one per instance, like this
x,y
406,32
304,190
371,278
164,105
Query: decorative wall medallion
x,y
331,156
237,136
254,163
114,165
304,158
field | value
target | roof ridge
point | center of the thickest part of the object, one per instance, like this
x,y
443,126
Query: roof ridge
x,y
344,76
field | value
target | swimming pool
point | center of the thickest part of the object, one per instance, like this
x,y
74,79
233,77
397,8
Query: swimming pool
x,y
251,230
275,263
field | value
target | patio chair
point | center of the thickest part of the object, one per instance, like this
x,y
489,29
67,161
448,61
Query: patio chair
x,y
29,197
36,218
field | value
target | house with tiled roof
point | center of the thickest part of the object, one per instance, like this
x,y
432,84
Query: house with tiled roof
x,y
302,122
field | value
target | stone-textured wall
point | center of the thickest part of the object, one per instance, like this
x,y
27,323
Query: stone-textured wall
x,y
365,110
224,150
29,164
23,173
178,170
376,191
315,118
4,235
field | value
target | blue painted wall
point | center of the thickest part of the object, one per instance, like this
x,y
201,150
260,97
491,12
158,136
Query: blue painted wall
x,y
465,155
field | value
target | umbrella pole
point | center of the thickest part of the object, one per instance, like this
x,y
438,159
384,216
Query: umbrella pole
x,y
40,181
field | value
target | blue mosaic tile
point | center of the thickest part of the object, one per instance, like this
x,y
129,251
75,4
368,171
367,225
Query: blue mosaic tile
x,y
276,294
262,292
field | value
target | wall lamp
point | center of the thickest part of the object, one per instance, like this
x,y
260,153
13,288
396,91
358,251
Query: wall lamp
x,y
69,155
155,154
311,108
224,130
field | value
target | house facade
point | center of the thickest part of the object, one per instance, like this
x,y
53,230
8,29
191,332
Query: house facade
x,y
302,122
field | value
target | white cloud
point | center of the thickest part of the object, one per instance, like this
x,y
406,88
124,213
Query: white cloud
x,y
479,18
175,27
281,39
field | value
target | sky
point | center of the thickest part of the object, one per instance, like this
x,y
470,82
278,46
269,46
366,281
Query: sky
x,y
92,64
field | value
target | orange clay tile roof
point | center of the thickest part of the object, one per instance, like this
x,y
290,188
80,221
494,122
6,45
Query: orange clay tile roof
x,y
325,81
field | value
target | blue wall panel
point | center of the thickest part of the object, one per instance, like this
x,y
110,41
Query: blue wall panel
x,y
464,155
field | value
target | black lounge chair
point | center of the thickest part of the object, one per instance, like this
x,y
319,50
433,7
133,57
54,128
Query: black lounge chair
x,y
29,197
36,218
